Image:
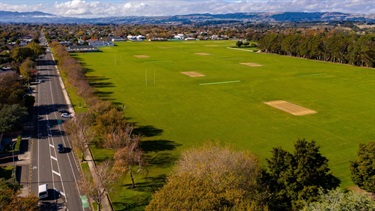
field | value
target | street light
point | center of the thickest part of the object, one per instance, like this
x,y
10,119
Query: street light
x,y
14,163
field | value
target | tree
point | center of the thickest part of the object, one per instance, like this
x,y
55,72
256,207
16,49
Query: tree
x,y
129,156
340,200
11,89
211,178
12,117
9,199
294,178
239,43
363,169
28,69
80,132
19,54
99,183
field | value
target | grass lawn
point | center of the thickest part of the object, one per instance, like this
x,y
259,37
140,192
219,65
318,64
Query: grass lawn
x,y
175,111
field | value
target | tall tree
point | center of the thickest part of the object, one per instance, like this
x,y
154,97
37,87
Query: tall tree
x,y
9,199
363,169
12,117
294,178
28,69
129,157
99,183
211,178
80,132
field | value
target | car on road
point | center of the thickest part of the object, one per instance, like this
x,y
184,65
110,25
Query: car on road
x,y
60,148
66,115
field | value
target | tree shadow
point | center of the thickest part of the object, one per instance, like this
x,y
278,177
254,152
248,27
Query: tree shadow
x,y
162,160
147,131
158,145
138,202
151,184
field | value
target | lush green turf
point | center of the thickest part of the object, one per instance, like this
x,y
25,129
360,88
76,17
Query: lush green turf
x,y
175,112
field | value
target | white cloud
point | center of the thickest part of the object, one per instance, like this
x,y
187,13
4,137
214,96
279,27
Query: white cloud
x,y
100,8
21,7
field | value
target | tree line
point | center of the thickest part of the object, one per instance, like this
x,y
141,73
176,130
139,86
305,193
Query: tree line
x,y
15,106
214,177
334,46
102,124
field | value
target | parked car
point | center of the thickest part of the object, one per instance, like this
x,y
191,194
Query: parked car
x,y
60,148
66,115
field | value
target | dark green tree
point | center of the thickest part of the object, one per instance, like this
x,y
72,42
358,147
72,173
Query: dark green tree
x,y
295,178
239,43
11,117
363,169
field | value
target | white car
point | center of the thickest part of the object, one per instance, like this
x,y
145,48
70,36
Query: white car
x,y
66,115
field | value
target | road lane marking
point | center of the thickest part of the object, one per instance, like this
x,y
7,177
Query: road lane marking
x,y
51,145
57,173
53,158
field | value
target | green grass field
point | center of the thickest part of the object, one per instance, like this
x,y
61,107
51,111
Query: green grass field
x,y
175,111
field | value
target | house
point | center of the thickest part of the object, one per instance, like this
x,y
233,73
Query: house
x,y
118,39
136,38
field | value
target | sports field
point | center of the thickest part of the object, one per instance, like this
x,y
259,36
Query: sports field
x,y
182,94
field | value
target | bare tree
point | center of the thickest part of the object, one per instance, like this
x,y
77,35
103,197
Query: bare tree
x,y
80,132
119,138
99,183
129,157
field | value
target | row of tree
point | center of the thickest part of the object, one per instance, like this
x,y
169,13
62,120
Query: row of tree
x,y
212,177
15,105
14,89
103,124
335,46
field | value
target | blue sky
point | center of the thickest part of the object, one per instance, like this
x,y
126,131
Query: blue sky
x,y
103,8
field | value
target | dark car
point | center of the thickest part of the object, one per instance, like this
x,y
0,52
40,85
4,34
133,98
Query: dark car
x,y
60,148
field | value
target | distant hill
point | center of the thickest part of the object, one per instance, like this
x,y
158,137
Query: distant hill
x,y
24,17
41,17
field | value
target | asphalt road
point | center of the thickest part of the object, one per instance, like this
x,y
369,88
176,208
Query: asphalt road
x,y
58,170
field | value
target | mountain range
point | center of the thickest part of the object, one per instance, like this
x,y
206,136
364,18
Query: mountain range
x,y
41,17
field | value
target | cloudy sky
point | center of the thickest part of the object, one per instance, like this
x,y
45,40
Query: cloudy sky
x,y
103,8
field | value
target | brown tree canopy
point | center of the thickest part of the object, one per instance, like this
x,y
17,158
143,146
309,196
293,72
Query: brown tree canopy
x,y
211,178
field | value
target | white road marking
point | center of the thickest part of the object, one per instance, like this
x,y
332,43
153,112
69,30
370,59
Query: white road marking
x,y
54,158
57,173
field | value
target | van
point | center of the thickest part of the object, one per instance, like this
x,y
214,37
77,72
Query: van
x,y
43,191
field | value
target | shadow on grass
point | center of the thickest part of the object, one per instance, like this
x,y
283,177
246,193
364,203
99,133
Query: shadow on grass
x,y
138,202
147,131
162,160
158,145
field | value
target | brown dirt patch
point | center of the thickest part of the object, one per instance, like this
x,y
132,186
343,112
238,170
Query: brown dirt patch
x,y
141,56
203,54
193,74
290,108
252,64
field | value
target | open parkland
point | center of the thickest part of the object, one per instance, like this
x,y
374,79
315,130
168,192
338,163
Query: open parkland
x,y
184,93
